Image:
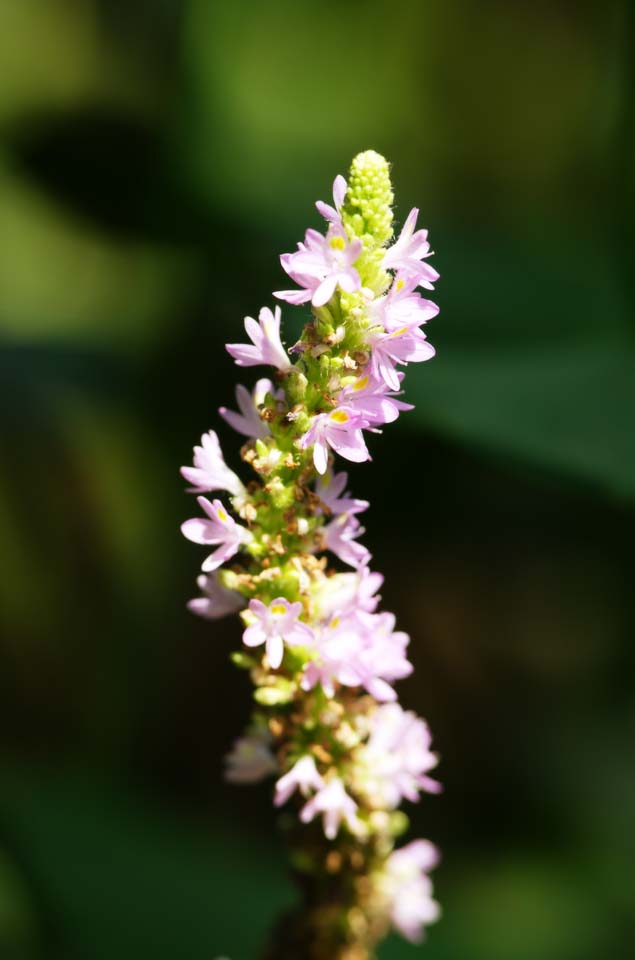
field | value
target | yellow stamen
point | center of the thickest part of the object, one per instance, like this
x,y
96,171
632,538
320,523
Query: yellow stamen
x,y
397,333
361,383
278,609
339,416
222,516
337,243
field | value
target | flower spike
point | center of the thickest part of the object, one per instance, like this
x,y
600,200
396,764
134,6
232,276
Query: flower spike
x,y
323,657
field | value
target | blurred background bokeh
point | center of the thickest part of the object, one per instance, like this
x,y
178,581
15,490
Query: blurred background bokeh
x,y
155,158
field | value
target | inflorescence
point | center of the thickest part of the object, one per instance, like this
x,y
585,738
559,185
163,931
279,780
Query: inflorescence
x,y
322,658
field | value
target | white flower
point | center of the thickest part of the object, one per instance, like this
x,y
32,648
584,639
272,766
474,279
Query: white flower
x,y
302,776
408,888
395,761
335,805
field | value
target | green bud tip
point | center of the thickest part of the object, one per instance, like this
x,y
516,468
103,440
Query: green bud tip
x,y
368,205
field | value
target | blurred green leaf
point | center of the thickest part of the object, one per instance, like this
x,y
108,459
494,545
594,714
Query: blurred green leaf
x,y
567,407
98,160
18,924
122,877
523,908
125,879
257,134
518,290
46,53
63,281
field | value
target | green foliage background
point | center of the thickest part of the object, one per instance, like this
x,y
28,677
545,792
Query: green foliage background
x,y
155,158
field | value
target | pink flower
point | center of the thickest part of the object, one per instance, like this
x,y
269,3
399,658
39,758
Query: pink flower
x,y
397,757
406,344
210,472
374,400
217,602
335,805
421,853
338,647
333,214
383,657
250,759
266,344
321,264
344,593
219,529
359,650
330,489
248,421
340,429
369,584
274,626
340,538
408,888
403,305
408,251
303,776
395,336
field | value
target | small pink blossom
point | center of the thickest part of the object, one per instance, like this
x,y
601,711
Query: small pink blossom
x,y
320,265
335,805
248,421
374,400
275,625
330,489
334,214
397,757
302,776
218,529
344,593
340,429
395,336
402,305
217,600
338,648
340,537
359,650
383,657
408,252
210,472
407,344
408,888
266,346
369,584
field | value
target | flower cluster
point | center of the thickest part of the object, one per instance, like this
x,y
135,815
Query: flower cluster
x,y
321,654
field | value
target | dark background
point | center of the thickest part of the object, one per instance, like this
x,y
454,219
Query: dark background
x,y
155,158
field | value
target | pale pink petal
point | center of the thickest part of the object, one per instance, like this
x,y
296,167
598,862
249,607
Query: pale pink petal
x,y
275,651
339,190
320,456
